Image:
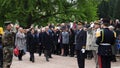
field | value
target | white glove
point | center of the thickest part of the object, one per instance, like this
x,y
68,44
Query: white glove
x,y
83,50
58,40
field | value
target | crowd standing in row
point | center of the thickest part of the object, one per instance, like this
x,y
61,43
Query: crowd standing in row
x,y
82,39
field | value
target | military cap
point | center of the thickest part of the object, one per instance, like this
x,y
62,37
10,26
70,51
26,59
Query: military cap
x,y
6,23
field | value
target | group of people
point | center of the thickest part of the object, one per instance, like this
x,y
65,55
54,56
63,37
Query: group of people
x,y
99,39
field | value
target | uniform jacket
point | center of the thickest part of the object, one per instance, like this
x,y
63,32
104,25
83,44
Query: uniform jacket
x,y
8,39
105,36
80,39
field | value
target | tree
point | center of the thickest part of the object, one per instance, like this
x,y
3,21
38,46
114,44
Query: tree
x,y
41,12
116,12
109,9
103,9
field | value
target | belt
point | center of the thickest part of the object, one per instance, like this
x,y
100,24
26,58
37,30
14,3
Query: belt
x,y
105,44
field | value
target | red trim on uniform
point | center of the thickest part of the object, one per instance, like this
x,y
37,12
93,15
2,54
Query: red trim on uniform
x,y
99,61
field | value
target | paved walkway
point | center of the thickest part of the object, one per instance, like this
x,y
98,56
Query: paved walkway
x,y
55,62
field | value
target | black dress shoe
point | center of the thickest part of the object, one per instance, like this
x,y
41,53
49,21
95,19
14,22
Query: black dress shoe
x,y
30,59
64,55
20,59
50,57
8,66
33,61
1,66
71,55
47,60
39,54
114,60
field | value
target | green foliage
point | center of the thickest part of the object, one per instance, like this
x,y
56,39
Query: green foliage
x,y
109,9
41,12
116,12
103,9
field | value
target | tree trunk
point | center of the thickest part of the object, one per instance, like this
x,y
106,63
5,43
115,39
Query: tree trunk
x,y
29,20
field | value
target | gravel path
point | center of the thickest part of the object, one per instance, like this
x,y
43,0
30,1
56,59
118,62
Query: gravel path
x,y
55,62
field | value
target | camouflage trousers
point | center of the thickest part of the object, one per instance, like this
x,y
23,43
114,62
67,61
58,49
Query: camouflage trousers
x,y
7,56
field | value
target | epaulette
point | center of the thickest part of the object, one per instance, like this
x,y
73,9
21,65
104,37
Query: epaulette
x,y
98,33
114,34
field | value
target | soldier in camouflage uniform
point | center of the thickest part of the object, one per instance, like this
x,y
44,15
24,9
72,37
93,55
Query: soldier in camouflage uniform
x,y
8,45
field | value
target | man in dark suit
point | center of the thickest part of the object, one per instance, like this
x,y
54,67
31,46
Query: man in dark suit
x,y
80,41
47,39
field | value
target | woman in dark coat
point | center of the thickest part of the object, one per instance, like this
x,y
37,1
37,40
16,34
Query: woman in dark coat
x,y
32,44
72,40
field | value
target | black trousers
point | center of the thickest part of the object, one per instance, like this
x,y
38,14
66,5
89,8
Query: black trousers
x,y
20,54
72,49
104,61
53,48
47,54
1,57
58,49
114,58
32,56
80,59
40,50
88,54
66,49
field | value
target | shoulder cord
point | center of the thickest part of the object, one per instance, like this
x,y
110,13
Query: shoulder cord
x,y
102,36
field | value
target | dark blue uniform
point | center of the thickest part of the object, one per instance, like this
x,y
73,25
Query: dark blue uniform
x,y
80,41
105,39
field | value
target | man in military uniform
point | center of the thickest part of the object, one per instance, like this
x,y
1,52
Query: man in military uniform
x,y
8,45
80,44
105,39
